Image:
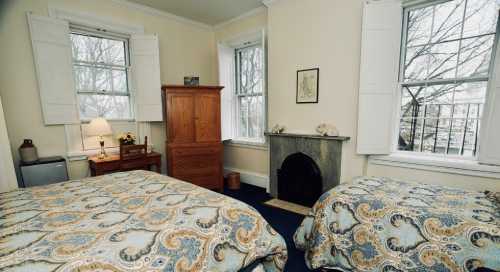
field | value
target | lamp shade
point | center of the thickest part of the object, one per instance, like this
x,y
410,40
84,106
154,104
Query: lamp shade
x,y
99,127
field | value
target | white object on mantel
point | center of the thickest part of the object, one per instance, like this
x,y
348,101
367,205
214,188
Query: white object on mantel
x,y
8,179
277,129
327,130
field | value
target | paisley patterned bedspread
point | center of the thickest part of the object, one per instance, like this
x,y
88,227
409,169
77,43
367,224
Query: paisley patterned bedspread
x,y
379,224
134,221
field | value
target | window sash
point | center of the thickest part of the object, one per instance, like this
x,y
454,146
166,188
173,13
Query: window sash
x,y
239,97
81,30
430,82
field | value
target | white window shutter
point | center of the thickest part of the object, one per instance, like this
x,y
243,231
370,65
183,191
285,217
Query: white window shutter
x,y
145,60
489,144
380,49
8,180
264,77
226,79
54,68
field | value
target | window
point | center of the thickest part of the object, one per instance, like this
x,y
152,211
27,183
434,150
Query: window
x,y
445,68
250,94
100,66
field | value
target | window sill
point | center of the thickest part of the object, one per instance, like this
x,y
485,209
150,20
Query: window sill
x,y
437,164
247,144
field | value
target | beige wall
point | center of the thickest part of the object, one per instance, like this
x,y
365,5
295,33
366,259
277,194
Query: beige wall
x,y
310,34
185,49
240,157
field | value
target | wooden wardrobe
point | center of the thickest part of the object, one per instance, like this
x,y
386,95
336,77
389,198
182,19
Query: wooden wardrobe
x,y
194,147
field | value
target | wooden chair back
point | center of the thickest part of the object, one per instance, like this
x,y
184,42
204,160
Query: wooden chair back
x,y
133,157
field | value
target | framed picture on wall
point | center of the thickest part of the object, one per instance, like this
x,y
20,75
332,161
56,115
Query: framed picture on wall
x,y
308,86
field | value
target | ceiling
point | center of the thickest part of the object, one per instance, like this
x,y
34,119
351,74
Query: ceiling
x,y
210,12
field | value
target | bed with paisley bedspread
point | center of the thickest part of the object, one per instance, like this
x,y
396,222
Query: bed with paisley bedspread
x,y
133,221
380,224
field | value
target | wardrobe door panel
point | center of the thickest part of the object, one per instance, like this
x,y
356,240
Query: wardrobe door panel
x,y
207,117
180,118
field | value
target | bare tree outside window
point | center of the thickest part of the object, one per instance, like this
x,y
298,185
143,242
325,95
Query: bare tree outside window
x,y
447,53
100,66
249,92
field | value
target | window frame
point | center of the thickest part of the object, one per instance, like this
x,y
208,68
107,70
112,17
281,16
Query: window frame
x,y
238,140
125,38
457,80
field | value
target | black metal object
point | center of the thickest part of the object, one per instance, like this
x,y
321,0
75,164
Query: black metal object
x,y
299,180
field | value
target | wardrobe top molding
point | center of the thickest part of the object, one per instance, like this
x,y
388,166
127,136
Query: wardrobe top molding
x,y
200,87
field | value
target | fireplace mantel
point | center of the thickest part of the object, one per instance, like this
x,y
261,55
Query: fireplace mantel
x,y
326,151
311,136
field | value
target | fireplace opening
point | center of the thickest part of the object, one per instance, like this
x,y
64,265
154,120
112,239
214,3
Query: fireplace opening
x,y
299,180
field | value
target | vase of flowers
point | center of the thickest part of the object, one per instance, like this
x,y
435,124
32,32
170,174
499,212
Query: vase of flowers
x,y
127,138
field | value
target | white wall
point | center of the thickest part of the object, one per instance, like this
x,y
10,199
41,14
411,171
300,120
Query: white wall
x,y
310,34
185,49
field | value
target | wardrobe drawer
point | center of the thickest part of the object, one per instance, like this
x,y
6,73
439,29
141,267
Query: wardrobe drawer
x,y
196,151
198,165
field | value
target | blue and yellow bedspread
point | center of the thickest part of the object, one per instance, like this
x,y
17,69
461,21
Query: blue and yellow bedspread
x,y
379,224
135,221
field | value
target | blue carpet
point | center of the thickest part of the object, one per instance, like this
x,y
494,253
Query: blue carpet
x,y
284,222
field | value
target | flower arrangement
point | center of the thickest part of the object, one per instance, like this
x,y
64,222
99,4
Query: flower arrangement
x,y
126,138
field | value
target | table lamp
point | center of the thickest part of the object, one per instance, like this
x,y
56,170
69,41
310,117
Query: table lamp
x,y
99,127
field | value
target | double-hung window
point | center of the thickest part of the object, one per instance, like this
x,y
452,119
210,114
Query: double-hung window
x,y
446,64
101,70
250,109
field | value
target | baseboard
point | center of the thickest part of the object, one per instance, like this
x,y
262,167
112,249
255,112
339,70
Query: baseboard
x,y
252,178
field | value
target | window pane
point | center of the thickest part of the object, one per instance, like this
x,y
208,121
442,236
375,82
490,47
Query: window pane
x,y
442,133
92,79
416,61
475,56
470,141
107,106
419,26
409,134
440,94
443,60
250,70
256,118
119,80
97,50
471,93
480,17
447,21
83,78
243,120
456,137
412,101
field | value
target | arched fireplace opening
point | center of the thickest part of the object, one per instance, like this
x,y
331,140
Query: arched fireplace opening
x,y
299,180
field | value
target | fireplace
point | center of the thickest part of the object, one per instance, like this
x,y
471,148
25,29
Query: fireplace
x,y
299,180
302,167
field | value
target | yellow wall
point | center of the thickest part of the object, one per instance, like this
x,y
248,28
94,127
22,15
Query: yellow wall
x,y
185,49
311,34
240,157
